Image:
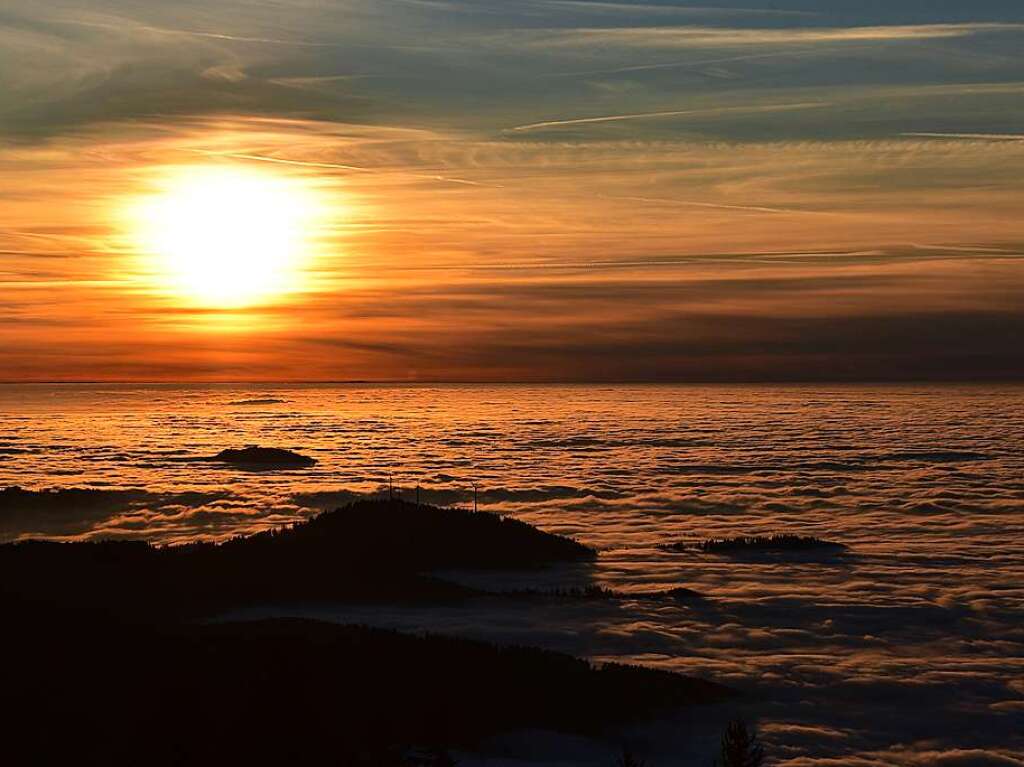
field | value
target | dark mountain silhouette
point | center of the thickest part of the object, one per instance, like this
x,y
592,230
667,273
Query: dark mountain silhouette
x,y
417,537
369,550
255,457
116,657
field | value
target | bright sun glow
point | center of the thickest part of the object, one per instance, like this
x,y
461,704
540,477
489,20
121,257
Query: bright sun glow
x,y
228,236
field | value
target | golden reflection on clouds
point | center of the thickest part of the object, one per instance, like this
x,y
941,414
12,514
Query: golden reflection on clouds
x,y
402,254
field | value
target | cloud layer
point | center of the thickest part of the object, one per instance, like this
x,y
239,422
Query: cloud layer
x,y
906,651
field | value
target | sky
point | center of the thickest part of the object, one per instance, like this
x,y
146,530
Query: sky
x,y
527,190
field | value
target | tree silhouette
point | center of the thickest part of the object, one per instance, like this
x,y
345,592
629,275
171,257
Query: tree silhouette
x,y
629,760
437,757
740,747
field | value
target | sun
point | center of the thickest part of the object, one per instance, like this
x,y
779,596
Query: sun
x,y
225,236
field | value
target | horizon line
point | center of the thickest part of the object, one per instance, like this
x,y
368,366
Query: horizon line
x,y
507,382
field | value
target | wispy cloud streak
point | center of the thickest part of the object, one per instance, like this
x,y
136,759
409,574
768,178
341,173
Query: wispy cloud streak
x,y
971,136
700,36
725,206
196,33
794,53
752,109
336,166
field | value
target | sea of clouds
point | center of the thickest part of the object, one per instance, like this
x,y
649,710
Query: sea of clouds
x,y
907,649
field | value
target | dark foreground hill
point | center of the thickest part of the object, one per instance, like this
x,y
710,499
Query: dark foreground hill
x,y
110,657
368,550
299,692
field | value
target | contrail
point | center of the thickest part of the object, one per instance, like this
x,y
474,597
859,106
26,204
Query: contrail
x,y
38,253
335,166
29,284
676,10
449,179
280,160
630,263
961,248
202,34
684,64
197,33
970,136
724,206
672,113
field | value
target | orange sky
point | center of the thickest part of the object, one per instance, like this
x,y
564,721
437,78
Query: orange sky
x,y
730,200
